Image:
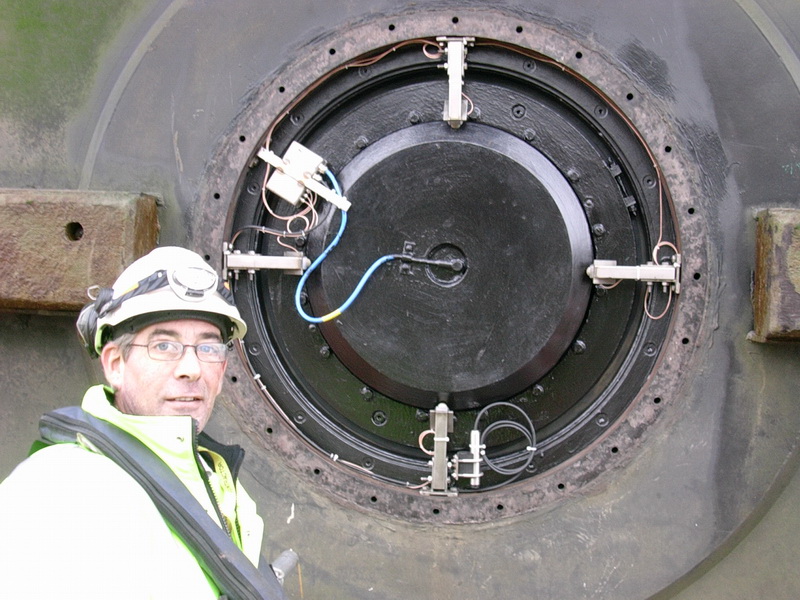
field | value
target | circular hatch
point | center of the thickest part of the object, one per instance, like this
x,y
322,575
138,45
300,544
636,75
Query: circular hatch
x,y
497,306
483,304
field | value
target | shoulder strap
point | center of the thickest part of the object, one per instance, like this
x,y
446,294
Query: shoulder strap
x,y
233,573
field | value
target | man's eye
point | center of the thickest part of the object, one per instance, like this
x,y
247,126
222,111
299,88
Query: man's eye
x,y
163,346
211,349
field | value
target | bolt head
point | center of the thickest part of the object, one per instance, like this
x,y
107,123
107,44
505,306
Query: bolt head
x,y
579,347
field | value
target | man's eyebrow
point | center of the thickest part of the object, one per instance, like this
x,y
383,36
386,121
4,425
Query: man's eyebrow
x,y
215,337
174,334
162,332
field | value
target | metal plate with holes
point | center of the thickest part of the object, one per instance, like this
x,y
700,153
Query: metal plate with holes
x,y
546,174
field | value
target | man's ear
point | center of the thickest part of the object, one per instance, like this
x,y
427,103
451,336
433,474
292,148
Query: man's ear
x,y
113,364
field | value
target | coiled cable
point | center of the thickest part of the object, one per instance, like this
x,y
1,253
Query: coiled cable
x,y
526,428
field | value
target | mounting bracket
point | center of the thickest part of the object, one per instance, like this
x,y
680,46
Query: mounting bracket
x,y
441,424
234,262
608,272
455,108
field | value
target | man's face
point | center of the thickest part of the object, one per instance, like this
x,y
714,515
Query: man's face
x,y
150,387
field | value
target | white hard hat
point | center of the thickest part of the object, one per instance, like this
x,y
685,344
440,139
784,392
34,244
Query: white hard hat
x,y
168,283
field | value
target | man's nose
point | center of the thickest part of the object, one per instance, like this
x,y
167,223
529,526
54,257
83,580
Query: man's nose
x,y
188,365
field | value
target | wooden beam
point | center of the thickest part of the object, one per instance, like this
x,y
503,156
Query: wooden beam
x,y
776,290
54,244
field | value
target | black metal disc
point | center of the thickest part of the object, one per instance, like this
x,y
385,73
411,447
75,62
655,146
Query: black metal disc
x,y
502,317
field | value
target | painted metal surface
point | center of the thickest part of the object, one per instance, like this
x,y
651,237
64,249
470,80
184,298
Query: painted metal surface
x,y
150,99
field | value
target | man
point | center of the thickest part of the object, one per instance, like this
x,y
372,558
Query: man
x,y
77,523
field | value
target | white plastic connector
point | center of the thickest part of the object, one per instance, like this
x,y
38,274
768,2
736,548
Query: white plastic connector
x,y
298,171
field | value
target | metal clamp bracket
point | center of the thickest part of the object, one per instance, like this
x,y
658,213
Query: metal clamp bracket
x,y
298,171
441,424
467,464
455,109
234,262
608,272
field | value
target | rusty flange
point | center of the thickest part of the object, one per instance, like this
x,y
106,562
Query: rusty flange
x,y
619,443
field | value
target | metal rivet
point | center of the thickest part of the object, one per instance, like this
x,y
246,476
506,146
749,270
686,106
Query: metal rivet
x,y
599,229
379,418
579,347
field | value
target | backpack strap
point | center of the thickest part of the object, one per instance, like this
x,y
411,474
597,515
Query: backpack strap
x,y
234,574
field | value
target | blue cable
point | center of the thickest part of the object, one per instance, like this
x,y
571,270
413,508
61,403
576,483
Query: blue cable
x,y
301,284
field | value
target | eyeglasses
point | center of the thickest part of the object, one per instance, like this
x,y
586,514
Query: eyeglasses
x,y
166,350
